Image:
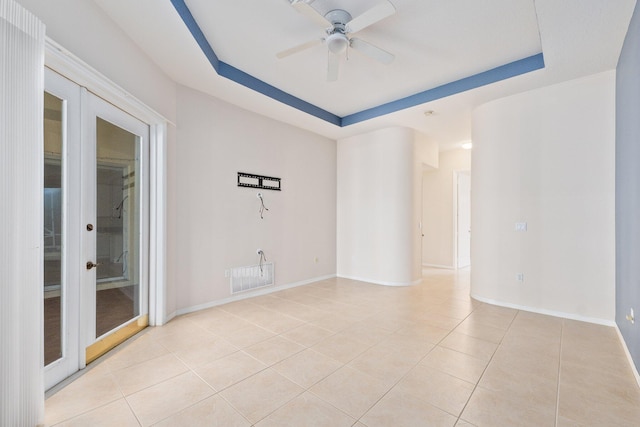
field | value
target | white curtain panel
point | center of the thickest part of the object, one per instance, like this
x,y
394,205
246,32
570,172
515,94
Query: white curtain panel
x,y
21,170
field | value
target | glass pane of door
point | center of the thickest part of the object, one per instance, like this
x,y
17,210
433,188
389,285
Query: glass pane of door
x,y
117,226
53,232
61,235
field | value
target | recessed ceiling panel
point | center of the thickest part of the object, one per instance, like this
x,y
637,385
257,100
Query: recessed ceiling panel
x,y
434,43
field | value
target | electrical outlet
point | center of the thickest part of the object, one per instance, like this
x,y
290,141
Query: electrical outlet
x,y
227,273
631,316
520,277
521,226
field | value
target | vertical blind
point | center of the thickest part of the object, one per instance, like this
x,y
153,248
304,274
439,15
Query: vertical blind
x,y
21,204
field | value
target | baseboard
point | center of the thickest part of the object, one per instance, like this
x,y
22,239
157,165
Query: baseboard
x,y
561,314
572,317
167,319
446,267
379,282
246,295
628,353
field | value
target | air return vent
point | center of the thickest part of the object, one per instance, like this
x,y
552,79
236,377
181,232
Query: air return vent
x,y
251,277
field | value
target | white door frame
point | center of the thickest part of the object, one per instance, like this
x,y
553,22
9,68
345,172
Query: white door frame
x,y
456,232
68,65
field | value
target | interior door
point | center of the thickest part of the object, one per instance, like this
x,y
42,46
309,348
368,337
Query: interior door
x,y
115,232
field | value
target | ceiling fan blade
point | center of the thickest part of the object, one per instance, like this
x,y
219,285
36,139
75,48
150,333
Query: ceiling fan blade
x,y
372,51
298,48
306,9
333,67
370,17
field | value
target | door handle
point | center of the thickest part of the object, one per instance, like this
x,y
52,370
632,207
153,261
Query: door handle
x,y
91,265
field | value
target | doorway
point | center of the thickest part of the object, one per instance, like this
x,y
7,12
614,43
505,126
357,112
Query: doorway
x,y
96,227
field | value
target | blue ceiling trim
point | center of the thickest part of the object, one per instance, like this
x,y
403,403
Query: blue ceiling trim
x,y
196,32
258,85
497,74
247,80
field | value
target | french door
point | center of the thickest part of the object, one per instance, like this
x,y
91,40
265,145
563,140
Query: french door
x,y
96,227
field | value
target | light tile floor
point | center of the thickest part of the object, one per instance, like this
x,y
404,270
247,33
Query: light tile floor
x,y
346,353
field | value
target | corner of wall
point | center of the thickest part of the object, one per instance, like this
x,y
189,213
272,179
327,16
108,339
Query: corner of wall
x,y
627,204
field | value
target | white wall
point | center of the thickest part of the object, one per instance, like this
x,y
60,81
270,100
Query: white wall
x,y
218,225
379,205
438,248
546,157
83,28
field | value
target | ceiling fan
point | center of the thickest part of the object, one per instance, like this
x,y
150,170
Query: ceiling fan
x,y
339,25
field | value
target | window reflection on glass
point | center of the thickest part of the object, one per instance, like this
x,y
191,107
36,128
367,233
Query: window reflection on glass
x,y
53,232
118,227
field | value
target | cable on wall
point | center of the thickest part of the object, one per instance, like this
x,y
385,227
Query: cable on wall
x,y
119,208
262,206
123,258
263,259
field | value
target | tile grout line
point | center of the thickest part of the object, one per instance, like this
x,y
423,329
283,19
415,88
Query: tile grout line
x,y
382,313
133,412
358,420
267,367
346,365
270,367
476,385
241,349
87,411
416,364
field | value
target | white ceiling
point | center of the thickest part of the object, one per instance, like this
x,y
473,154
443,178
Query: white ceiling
x,y
434,43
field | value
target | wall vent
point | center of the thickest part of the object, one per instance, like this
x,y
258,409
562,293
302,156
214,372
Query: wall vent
x,y
251,277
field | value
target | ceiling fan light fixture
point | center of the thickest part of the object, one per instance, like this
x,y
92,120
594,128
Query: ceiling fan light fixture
x,y
337,42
